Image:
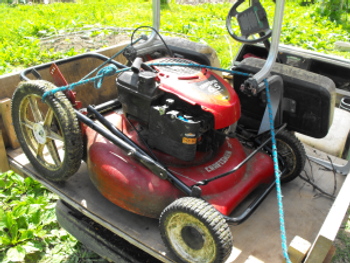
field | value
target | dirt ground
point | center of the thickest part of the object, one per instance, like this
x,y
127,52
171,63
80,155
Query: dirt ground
x,y
86,40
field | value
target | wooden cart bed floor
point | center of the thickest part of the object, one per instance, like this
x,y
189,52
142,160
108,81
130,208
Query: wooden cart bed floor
x,y
256,240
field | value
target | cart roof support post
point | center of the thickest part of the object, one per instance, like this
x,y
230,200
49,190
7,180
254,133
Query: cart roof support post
x,y
276,32
156,24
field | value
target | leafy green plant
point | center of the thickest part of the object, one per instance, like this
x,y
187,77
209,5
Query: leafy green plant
x,y
333,9
29,231
25,217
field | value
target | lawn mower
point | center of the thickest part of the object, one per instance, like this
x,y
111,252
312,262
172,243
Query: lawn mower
x,y
178,142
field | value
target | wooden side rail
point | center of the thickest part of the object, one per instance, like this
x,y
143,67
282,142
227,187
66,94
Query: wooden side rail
x,y
4,164
5,113
329,230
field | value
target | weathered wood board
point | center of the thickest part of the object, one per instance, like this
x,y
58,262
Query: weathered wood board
x,y
80,66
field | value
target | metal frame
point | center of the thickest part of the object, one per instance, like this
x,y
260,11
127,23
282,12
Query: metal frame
x,y
276,32
342,169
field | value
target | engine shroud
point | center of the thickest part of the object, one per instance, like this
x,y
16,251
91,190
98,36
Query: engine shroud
x,y
179,106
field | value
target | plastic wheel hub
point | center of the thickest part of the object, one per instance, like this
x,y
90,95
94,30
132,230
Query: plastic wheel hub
x,y
192,237
39,133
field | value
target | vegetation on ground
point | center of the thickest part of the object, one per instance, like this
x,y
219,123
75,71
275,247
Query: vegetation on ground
x,y
29,231
342,244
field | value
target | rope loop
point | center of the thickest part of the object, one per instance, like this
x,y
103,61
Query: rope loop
x,y
103,72
106,71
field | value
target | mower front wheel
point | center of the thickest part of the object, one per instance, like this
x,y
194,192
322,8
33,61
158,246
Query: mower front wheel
x,y
48,132
195,231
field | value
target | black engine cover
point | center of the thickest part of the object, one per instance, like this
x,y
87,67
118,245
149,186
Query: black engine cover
x,y
179,106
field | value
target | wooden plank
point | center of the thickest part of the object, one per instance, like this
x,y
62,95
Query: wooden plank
x,y
9,82
4,164
5,111
330,255
298,249
329,230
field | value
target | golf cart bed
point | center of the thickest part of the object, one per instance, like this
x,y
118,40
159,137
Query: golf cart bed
x,y
256,239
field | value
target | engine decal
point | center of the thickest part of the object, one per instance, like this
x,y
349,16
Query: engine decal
x,y
212,87
219,163
186,140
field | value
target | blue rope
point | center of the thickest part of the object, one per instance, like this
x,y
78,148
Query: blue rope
x,y
200,66
99,76
111,58
277,175
106,71
103,72
112,69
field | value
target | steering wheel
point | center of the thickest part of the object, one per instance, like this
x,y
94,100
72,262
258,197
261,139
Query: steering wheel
x,y
251,21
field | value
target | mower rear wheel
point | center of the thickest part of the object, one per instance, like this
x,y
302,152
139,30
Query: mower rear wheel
x,y
292,152
195,231
48,132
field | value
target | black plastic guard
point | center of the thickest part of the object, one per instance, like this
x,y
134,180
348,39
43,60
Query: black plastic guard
x,y
308,101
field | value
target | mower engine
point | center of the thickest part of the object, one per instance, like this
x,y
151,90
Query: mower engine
x,y
181,109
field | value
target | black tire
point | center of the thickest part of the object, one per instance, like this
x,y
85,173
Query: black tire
x,y
48,132
292,152
195,231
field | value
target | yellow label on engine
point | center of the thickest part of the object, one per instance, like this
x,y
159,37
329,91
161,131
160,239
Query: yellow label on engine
x,y
186,140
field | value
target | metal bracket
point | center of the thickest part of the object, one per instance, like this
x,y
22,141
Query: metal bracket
x,y
289,105
276,94
342,169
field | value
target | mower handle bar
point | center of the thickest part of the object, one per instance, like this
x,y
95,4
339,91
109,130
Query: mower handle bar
x,y
258,78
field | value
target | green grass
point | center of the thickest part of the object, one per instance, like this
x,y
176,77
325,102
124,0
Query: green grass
x,y
342,254
24,25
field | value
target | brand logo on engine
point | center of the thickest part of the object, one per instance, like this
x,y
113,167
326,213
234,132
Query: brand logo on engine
x,y
212,86
220,162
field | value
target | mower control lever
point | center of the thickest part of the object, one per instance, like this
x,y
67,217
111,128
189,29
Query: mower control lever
x,y
250,87
136,65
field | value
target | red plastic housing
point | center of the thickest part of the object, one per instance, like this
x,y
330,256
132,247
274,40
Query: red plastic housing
x,y
128,184
199,86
